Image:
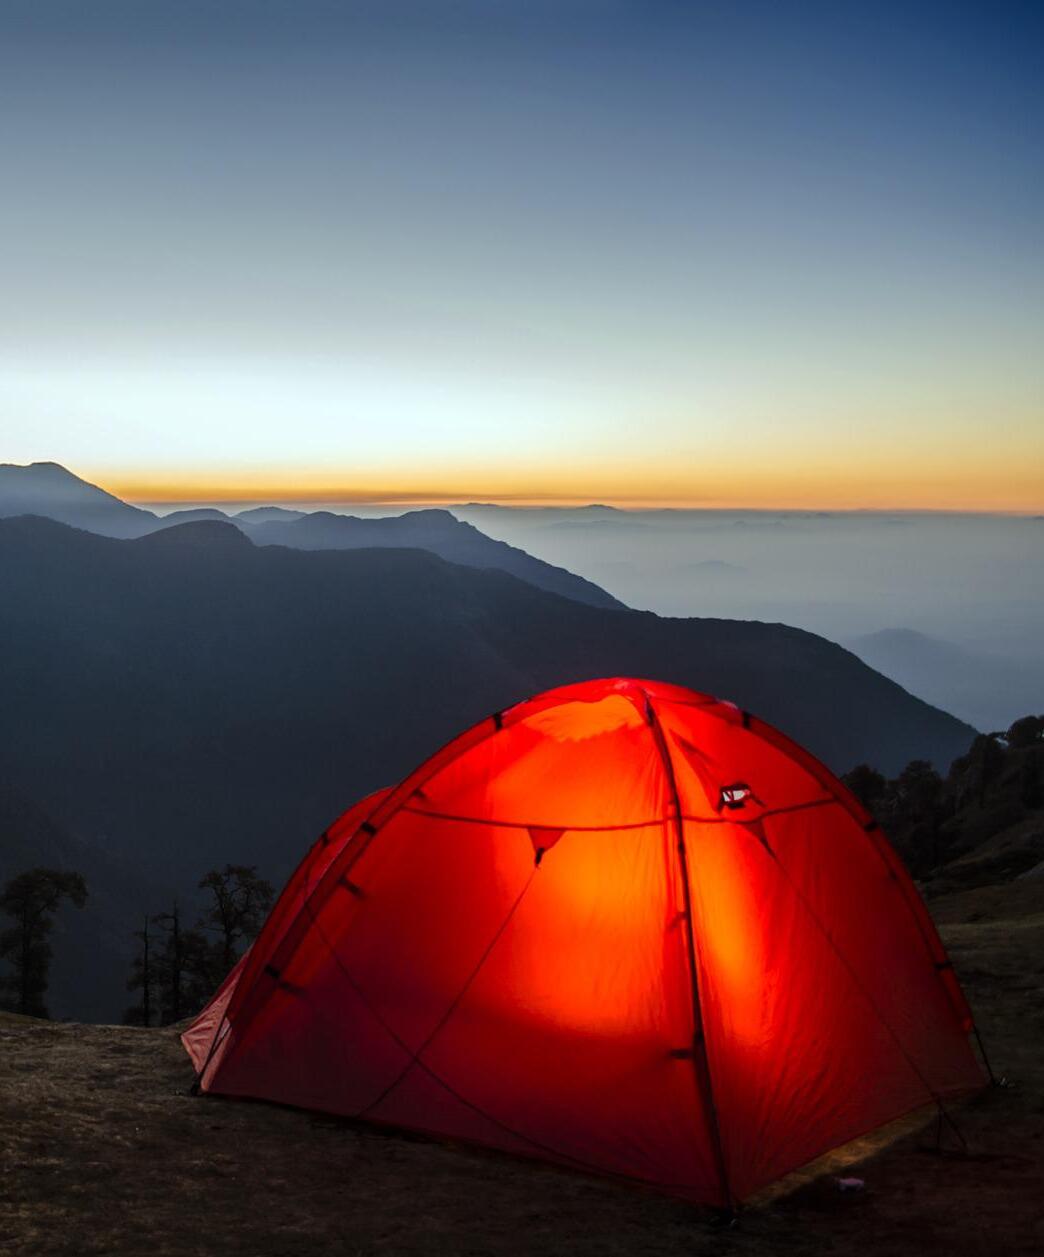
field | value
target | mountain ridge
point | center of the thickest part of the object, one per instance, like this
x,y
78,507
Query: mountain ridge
x,y
51,491
434,529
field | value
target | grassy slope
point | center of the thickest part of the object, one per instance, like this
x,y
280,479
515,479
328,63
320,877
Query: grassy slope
x,y
102,1151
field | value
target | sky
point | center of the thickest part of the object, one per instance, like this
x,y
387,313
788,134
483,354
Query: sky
x,y
635,251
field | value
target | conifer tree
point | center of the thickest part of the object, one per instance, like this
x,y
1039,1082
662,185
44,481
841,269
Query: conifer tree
x,y
30,900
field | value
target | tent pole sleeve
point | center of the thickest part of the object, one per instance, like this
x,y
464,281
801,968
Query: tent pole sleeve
x,y
700,1059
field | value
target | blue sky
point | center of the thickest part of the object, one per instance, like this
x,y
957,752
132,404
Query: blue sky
x,y
734,253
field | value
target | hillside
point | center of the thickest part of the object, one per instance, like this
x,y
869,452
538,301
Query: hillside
x,y
980,823
105,1152
978,686
434,530
50,491
187,698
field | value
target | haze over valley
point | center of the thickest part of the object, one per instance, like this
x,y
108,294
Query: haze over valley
x,y
950,605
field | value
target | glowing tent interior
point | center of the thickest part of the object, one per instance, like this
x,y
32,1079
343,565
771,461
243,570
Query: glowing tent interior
x,y
621,926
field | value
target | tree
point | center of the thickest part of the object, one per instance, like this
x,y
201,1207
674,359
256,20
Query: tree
x,y
31,900
170,964
917,808
143,978
918,789
241,901
180,969
1024,733
982,766
184,968
1031,789
867,784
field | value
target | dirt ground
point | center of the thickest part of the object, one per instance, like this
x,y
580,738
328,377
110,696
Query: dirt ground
x,y
102,1150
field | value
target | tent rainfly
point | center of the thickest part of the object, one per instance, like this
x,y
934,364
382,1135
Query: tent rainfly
x,y
621,926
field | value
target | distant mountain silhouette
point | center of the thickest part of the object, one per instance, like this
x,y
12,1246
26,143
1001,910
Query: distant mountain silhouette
x,y
434,530
981,688
213,537
595,515
265,514
192,515
49,490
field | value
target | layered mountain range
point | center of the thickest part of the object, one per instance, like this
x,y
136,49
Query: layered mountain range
x,y
191,692
189,697
50,490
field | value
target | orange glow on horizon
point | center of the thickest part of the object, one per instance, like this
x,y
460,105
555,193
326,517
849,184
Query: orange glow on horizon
x,y
993,484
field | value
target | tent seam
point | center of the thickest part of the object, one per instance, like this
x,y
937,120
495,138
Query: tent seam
x,y
861,987
440,1025
700,1053
598,829
579,1162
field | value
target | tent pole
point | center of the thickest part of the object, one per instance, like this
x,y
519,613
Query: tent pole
x,y
700,1060
985,1058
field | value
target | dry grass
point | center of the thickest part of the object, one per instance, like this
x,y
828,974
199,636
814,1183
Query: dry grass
x,y
103,1151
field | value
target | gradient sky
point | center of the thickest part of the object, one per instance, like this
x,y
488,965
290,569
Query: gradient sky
x,y
645,251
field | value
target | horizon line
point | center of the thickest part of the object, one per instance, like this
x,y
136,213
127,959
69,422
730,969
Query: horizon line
x,y
621,506
181,493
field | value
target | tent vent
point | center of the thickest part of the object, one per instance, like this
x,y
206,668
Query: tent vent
x,y
734,797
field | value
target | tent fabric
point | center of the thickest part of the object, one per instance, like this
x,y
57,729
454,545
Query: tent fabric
x,y
621,926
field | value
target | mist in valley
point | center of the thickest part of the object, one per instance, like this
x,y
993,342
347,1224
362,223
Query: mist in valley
x,y
949,605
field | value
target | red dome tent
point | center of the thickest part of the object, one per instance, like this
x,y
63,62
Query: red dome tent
x,y
621,926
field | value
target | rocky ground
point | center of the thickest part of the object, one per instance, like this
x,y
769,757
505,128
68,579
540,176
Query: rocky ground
x,y
102,1150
